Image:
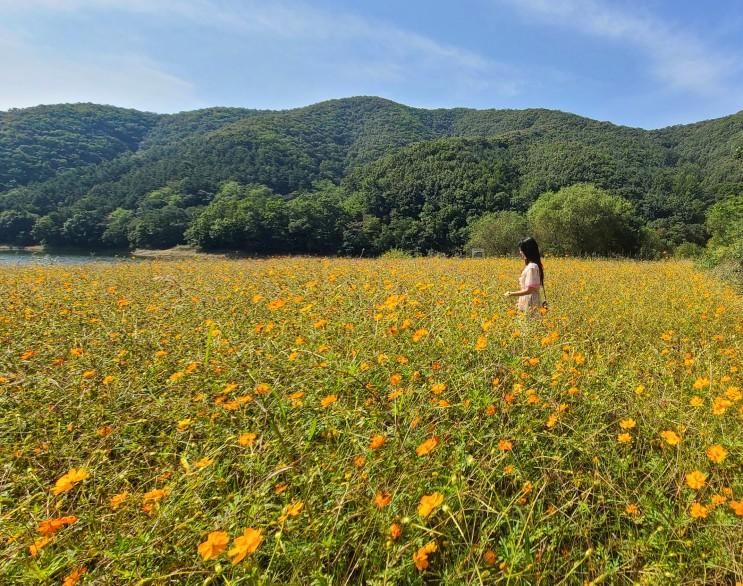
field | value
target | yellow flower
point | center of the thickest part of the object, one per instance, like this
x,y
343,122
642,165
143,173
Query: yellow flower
x,y
69,480
720,405
490,557
695,479
696,401
262,389
203,462
419,334
51,526
628,423
216,542
395,531
481,343
624,438
701,383
328,400
429,502
670,437
291,510
247,439
38,544
245,544
427,446
717,453
698,511
382,499
74,576
505,445
183,424
377,442
118,499
420,557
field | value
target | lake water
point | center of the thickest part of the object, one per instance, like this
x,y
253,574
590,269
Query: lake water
x,y
25,258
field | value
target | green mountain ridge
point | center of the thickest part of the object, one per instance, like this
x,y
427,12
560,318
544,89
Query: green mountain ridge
x,y
65,159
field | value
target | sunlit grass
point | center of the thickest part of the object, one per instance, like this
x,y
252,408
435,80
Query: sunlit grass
x,y
386,421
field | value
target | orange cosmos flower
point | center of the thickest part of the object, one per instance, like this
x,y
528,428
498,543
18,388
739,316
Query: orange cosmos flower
x,y
247,439
395,379
377,442
490,410
328,400
696,479
262,389
291,510
176,376
203,462
438,388
118,499
216,542
420,557
427,446
395,531
154,496
69,480
51,526
717,453
632,509
104,431
382,499
245,544
698,511
429,502
505,445
74,576
720,405
696,401
737,507
38,544
670,437
490,557
700,383
419,334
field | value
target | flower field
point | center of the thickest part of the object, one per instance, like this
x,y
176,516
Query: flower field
x,y
310,421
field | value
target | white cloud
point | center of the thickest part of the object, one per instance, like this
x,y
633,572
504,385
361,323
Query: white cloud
x,y
677,56
360,50
31,76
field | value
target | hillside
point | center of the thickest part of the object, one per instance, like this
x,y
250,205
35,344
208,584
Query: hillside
x,y
82,162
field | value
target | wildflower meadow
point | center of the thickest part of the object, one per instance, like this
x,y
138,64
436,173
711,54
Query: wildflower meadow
x,y
391,421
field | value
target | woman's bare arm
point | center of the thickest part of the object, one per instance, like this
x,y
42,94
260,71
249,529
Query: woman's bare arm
x,y
527,291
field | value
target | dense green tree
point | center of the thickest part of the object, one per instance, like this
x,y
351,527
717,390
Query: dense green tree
x,y
583,219
118,225
725,222
498,232
83,229
161,227
16,227
241,217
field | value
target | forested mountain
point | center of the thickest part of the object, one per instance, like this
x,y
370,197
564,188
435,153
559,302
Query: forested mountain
x,y
396,176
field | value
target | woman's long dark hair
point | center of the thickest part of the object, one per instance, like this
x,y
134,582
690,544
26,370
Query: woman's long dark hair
x,y
530,248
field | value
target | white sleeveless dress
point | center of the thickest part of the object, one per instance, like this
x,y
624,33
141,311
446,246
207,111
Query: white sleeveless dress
x,y
529,279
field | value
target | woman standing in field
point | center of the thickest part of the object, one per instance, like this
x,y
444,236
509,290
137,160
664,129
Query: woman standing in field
x,y
532,277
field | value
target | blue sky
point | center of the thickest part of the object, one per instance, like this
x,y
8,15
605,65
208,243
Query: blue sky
x,y
645,63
